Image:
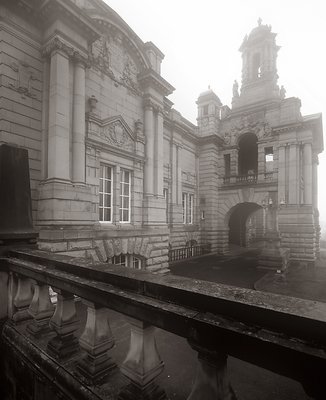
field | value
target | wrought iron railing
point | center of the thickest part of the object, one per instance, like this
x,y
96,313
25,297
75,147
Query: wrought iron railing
x,y
182,253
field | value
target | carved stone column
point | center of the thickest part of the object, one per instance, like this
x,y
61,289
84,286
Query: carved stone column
x,y
65,324
281,175
41,309
149,149
78,129
142,365
293,174
307,173
315,181
212,381
96,340
158,152
59,106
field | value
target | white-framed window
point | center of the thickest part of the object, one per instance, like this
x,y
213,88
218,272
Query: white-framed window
x,y
105,193
166,197
125,185
127,260
119,260
187,208
190,209
184,207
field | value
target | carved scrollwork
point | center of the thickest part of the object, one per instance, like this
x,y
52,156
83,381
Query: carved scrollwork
x,y
57,44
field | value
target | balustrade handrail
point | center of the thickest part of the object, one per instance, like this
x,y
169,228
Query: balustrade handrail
x,y
278,329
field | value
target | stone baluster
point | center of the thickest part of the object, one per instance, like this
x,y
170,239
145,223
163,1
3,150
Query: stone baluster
x,y
211,381
22,299
142,365
41,309
96,340
65,323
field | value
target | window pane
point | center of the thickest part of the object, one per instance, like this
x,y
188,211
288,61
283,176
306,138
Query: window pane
x,y
125,215
108,186
126,190
125,202
107,214
101,200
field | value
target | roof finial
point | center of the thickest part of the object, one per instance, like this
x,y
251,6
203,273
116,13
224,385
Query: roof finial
x,y
259,21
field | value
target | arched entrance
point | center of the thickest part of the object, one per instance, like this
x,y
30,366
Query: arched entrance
x,y
239,229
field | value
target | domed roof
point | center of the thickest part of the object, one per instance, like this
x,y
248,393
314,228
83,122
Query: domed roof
x,y
209,95
259,30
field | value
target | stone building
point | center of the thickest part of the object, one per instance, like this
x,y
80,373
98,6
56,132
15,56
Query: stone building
x,y
118,174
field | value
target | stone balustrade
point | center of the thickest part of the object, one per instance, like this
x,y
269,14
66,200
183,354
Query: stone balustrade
x,y
69,344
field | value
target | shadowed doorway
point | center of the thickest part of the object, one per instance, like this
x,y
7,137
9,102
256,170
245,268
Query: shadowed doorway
x,y
238,223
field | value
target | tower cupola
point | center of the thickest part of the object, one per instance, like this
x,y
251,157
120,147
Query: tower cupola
x,y
259,70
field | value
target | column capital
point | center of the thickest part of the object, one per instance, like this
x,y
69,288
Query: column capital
x,y
58,45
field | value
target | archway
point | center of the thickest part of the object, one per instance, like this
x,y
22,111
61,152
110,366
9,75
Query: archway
x,y
239,230
248,154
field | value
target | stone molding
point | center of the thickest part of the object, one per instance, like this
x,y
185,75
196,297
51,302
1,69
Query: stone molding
x,y
108,248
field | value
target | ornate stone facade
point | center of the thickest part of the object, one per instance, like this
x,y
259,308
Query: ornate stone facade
x,y
116,170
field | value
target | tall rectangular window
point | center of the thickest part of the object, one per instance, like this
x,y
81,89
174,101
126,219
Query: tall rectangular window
x,y
191,209
184,208
125,180
105,192
166,197
227,165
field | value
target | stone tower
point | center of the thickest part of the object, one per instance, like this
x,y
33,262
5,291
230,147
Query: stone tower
x,y
259,70
258,163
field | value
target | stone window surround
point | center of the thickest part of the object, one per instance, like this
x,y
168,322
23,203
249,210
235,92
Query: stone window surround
x,y
127,260
116,195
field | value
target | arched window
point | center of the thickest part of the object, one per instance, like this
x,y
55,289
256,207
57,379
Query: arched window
x,y
127,260
248,155
256,66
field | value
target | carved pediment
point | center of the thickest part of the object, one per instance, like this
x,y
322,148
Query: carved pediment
x,y
111,56
113,131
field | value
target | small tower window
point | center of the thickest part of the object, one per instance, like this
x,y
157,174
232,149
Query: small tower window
x,y
205,110
256,66
269,159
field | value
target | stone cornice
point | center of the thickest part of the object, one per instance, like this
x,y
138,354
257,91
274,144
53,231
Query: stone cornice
x,y
120,152
151,79
211,139
74,15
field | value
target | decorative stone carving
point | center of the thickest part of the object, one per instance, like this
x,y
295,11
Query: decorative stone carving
x,y
117,136
110,56
24,79
113,131
248,124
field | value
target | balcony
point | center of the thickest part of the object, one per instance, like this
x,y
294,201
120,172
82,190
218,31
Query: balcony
x,y
250,179
67,349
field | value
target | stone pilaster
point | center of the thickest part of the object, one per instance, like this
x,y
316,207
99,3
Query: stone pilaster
x,y
307,173
58,140
149,150
78,128
293,174
315,181
158,151
281,174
